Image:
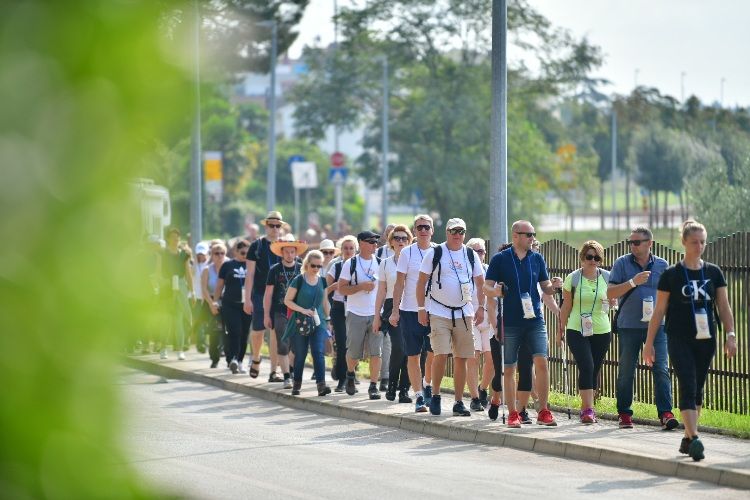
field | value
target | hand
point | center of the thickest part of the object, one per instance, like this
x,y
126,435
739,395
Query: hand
x,y
497,290
368,286
308,312
247,307
560,337
214,308
730,346
376,323
422,318
334,286
479,317
557,282
493,322
394,317
641,277
267,322
648,354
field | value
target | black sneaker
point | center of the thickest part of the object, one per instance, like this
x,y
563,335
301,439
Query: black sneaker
x,y
685,446
476,405
403,396
350,389
695,450
390,391
493,411
373,392
459,410
340,386
435,404
384,385
483,397
524,415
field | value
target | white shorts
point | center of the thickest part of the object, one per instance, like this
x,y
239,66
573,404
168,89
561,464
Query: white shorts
x,y
482,334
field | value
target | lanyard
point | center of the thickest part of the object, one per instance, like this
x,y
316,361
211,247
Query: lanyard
x,y
596,294
518,280
692,292
269,253
466,265
369,269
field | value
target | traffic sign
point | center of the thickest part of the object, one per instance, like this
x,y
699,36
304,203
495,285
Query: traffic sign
x,y
338,175
294,159
338,159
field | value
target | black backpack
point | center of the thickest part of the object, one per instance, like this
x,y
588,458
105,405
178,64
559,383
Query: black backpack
x,y
353,269
436,256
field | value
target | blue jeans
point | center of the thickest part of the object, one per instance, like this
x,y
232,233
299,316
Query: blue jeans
x,y
630,341
315,343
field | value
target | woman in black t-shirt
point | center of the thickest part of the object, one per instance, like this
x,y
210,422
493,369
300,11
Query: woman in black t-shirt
x,y
231,282
687,292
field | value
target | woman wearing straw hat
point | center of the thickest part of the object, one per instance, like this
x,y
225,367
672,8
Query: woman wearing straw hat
x,y
329,251
279,277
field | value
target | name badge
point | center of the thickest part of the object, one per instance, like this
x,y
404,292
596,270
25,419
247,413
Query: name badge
x,y
701,325
647,308
587,325
528,307
175,282
466,292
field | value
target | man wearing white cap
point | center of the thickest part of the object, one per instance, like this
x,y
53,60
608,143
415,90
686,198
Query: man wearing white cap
x,y
199,306
451,272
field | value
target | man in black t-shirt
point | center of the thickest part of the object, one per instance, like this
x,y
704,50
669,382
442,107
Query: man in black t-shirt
x,y
274,309
260,258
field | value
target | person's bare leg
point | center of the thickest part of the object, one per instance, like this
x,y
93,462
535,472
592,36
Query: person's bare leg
x,y
472,375
415,373
459,377
438,370
542,380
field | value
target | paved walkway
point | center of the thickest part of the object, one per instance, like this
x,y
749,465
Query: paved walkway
x,y
645,448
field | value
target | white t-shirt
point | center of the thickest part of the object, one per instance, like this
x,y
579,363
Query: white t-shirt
x,y
332,273
409,262
387,274
361,303
198,268
475,298
454,269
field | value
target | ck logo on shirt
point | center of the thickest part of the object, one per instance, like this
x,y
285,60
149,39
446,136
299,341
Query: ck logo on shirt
x,y
240,273
696,289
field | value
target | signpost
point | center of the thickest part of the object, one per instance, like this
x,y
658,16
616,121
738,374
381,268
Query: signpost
x,y
304,176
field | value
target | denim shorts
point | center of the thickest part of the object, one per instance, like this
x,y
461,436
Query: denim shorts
x,y
534,335
416,335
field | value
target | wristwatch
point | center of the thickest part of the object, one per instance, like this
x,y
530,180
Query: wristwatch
x,y
421,308
730,334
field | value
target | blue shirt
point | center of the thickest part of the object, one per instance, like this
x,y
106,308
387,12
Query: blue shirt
x,y
503,268
625,268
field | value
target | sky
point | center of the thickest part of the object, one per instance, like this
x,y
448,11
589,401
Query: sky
x,y
651,42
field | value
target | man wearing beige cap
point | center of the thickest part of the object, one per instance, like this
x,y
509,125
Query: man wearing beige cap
x,y
260,258
451,272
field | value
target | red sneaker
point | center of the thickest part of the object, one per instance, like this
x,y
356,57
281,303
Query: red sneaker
x,y
544,417
668,422
514,420
625,421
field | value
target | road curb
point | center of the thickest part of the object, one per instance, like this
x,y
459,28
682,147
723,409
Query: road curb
x,y
449,430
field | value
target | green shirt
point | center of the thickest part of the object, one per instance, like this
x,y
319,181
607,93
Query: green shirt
x,y
584,300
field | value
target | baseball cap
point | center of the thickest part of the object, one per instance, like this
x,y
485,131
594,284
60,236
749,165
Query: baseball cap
x,y
368,235
453,223
201,248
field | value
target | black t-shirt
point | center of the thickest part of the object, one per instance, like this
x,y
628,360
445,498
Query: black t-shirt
x,y
280,276
701,287
233,274
173,263
260,253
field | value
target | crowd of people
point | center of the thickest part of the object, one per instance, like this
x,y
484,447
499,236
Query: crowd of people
x,y
405,304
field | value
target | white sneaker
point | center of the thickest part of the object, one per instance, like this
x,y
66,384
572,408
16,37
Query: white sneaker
x,y
241,369
181,356
287,383
163,354
233,365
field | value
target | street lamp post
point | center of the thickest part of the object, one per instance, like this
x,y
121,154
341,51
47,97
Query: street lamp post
x,y
196,201
271,182
498,126
384,159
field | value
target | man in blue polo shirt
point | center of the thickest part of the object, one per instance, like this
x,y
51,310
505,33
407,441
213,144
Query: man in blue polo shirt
x,y
633,280
520,270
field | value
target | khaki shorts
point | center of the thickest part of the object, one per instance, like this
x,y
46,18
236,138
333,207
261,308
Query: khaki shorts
x,y
360,338
446,338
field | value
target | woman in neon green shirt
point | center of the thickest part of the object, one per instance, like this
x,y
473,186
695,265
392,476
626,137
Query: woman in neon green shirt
x,y
585,316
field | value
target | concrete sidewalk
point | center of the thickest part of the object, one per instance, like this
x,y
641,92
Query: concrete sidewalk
x,y
645,448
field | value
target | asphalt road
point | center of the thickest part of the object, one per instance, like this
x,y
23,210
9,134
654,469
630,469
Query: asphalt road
x,y
198,441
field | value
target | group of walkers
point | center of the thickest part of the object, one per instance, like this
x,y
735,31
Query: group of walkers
x,y
409,305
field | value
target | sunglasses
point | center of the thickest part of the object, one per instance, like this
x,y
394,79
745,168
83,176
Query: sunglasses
x,y
400,238
316,266
243,253
424,227
457,230
593,257
274,226
371,242
219,253
328,252
528,235
637,243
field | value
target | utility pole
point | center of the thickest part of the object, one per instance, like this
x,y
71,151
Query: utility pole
x,y
339,186
498,126
271,182
614,166
384,160
196,202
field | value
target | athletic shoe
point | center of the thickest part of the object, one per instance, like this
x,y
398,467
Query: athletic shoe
x,y
419,406
625,421
403,396
234,366
435,404
685,446
587,416
545,417
483,397
181,356
695,450
241,369
373,392
493,411
163,354
476,405
427,395
350,389
340,386
390,391
524,416
668,422
514,420
384,385
287,383
459,410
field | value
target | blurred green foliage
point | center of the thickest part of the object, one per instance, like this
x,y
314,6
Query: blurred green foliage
x,y
89,88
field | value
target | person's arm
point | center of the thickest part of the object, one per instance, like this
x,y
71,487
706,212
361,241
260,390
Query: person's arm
x,y
727,319
249,276
660,309
189,276
291,294
326,309
549,287
490,290
267,296
331,286
492,312
615,291
551,303
421,311
379,299
218,289
206,295
398,293
479,313
567,306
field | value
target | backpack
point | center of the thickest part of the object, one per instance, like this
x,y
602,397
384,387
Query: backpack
x,y
436,256
353,269
575,280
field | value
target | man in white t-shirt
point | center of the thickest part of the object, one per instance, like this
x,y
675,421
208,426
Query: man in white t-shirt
x,y
416,336
452,281
357,282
